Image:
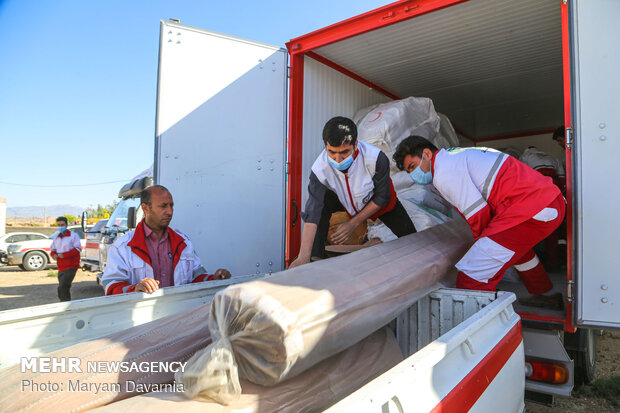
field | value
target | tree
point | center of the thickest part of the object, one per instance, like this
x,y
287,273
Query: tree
x,y
101,212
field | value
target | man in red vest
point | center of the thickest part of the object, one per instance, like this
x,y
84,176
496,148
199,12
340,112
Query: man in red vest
x,y
352,176
66,250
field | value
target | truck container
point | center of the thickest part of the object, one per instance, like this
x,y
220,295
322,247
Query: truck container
x,y
239,123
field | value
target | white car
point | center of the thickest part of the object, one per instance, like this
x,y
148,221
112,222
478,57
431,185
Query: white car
x,y
34,254
13,237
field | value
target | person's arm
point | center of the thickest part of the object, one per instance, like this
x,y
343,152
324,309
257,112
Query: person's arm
x,y
54,248
307,240
381,197
311,216
115,278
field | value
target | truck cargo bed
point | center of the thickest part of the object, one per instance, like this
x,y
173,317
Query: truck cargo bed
x,y
461,347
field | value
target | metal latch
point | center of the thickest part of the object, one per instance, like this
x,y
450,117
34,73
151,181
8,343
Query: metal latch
x,y
569,138
570,291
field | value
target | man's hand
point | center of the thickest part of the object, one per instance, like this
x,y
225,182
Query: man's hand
x,y
300,260
61,255
221,274
147,285
343,233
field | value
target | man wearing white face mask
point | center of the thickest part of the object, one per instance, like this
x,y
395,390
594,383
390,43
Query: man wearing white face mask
x,y
509,206
352,176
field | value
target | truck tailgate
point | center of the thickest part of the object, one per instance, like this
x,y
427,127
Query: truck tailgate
x,y
45,328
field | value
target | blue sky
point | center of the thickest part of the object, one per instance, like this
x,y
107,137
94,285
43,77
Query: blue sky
x,y
78,83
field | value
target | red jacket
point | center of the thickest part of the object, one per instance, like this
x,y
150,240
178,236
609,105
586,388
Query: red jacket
x,y
67,243
493,191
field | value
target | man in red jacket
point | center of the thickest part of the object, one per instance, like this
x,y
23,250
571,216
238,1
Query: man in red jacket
x,y
509,206
66,249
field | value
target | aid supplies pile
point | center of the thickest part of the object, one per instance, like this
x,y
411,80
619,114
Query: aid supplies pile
x,y
385,126
312,391
272,330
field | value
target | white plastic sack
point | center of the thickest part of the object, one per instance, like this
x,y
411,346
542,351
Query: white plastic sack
x,y
446,137
274,329
422,218
427,196
401,181
387,124
536,159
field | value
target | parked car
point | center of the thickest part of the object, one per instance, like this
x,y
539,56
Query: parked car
x,y
34,254
13,237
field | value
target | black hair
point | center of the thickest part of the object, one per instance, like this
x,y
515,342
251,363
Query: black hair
x,y
339,131
145,195
559,133
414,146
63,219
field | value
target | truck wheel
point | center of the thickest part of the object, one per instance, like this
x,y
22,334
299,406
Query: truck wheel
x,y
34,261
585,360
21,266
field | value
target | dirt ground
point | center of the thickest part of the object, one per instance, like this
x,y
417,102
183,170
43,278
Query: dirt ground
x,y
20,289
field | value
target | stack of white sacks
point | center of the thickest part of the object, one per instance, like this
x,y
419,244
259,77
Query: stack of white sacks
x,y
385,126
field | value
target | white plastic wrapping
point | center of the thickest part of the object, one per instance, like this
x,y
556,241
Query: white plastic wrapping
x,y
277,328
312,391
387,124
536,159
421,216
446,137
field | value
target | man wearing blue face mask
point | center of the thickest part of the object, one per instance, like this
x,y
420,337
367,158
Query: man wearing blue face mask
x,y
65,249
352,176
509,206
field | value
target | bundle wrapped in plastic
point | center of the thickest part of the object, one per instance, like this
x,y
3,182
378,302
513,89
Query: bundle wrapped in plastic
x,y
446,137
269,331
387,124
312,391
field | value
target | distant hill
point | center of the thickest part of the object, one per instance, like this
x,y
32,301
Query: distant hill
x,y
39,211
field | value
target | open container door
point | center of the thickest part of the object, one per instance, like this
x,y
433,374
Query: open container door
x,y
596,58
494,68
220,145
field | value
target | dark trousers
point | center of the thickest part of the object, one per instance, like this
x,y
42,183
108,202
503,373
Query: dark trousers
x,y
65,278
396,220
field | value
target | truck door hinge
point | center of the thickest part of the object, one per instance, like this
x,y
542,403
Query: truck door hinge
x,y
288,72
570,291
569,138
